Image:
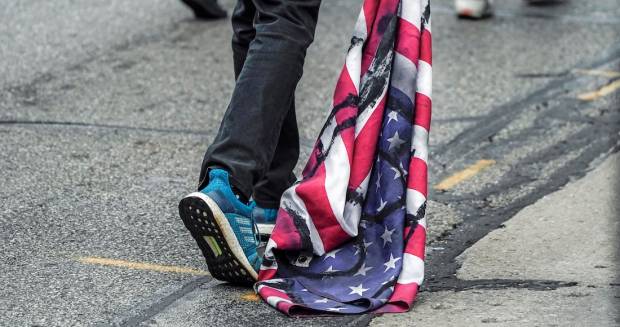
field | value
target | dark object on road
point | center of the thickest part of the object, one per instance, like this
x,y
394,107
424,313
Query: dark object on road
x,y
206,9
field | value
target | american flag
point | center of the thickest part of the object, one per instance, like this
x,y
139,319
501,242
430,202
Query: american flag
x,y
350,235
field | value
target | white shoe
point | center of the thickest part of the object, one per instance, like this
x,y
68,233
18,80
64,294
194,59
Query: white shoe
x,y
474,9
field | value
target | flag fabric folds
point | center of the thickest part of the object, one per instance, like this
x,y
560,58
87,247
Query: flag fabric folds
x,y
350,234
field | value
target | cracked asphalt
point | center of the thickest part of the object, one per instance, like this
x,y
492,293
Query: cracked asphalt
x,y
106,108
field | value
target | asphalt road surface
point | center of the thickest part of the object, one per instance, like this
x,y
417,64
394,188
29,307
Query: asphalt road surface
x,y
107,106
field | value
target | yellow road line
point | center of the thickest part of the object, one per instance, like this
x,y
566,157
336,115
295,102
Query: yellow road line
x,y
603,91
250,296
595,72
141,266
464,174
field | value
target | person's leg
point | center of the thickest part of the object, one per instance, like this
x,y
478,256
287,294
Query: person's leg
x,y
245,147
242,20
279,176
250,131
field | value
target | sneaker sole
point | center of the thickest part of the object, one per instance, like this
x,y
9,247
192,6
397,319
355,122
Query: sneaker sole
x,y
216,239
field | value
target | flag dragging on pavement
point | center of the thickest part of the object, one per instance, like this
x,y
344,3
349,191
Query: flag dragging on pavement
x,y
350,235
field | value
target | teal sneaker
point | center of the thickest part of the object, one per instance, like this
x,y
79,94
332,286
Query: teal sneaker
x,y
224,229
265,219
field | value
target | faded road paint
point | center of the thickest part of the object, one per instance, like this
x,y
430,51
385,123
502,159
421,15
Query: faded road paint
x,y
603,91
141,266
595,72
464,174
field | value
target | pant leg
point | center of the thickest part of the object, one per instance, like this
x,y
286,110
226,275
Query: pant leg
x,y
250,131
279,177
242,20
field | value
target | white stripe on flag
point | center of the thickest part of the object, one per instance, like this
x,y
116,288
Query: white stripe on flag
x,y
404,75
422,222
425,79
413,270
411,12
353,59
415,200
419,143
274,300
337,173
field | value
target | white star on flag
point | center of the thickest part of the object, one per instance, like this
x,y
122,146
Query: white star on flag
x,y
357,290
387,236
395,141
331,269
321,301
403,169
391,264
378,183
335,309
363,270
331,254
357,249
396,172
381,204
393,115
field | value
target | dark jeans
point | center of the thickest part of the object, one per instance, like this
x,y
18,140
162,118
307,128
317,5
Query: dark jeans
x,y
258,139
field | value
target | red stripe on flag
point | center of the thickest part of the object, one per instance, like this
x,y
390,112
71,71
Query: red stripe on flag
x,y
312,192
284,306
267,274
312,160
365,146
408,41
402,298
426,48
416,243
267,291
386,8
423,105
404,292
418,176
370,11
285,232
344,87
